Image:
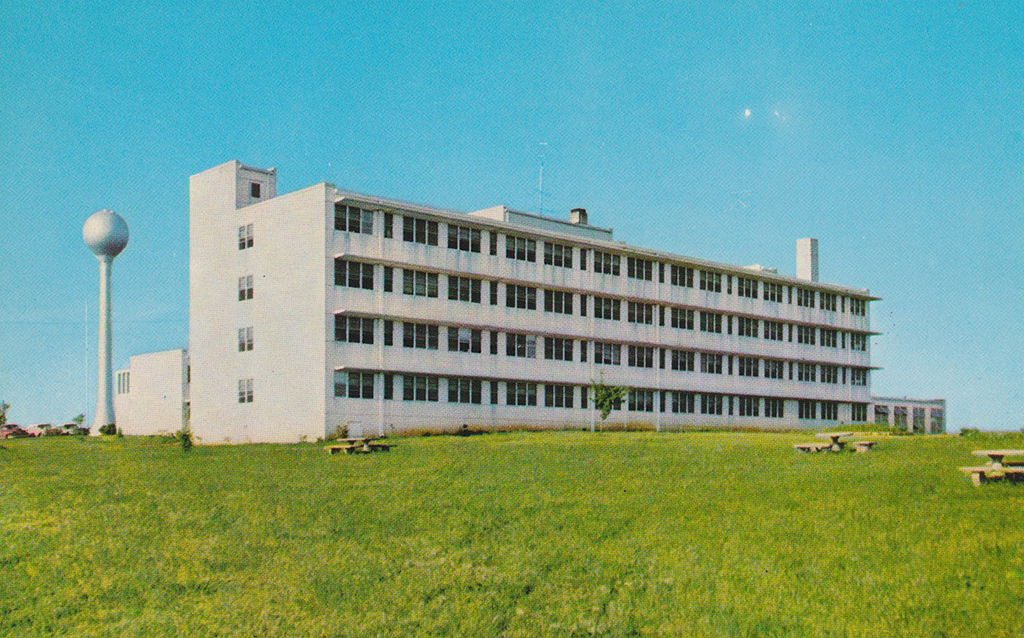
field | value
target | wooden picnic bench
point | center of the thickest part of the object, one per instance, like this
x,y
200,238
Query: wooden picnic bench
x,y
811,447
863,446
837,445
996,468
363,445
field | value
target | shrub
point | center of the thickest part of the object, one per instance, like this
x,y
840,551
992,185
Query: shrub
x,y
970,432
184,436
108,429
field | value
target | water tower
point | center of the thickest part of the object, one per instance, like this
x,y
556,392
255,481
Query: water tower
x,y
106,234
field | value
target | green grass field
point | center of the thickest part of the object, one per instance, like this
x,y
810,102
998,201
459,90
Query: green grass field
x,y
561,534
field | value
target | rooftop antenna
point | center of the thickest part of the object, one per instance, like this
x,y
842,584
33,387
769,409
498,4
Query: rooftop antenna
x,y
543,152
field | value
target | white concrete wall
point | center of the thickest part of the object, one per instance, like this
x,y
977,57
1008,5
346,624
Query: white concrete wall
x,y
286,312
154,401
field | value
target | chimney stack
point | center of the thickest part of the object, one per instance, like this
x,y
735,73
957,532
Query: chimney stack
x,y
578,216
807,259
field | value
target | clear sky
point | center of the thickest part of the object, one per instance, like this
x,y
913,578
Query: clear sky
x,y
894,134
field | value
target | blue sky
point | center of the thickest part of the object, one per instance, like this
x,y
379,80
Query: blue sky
x,y
894,134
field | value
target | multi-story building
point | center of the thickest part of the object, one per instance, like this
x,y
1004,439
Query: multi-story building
x,y
323,309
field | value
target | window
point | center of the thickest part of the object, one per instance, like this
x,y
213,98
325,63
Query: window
x,y
353,329
805,334
808,409
419,335
352,219
858,376
419,231
464,390
245,237
494,293
641,356
773,330
353,274
606,263
244,339
583,351
859,412
419,283
918,419
710,281
682,360
746,288
829,374
494,341
558,396
710,403
254,189
463,289
640,312
520,248
419,387
245,288
774,408
748,366
494,393
710,322
806,372
494,242
681,276
558,349
389,231
681,318
641,400
245,390
637,268
747,327
773,368
558,301
523,297
829,338
827,300
607,353
462,238
858,342
557,255
583,258
749,406
938,420
606,308
520,393
353,385
805,297
682,402
772,292
464,340
710,363
899,415
882,414
858,307
389,279
829,411
520,345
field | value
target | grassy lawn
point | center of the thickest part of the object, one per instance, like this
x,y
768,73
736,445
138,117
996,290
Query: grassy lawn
x,y
561,534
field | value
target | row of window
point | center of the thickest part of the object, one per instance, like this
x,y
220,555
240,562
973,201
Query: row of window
x,y
420,283
353,329
426,388
354,219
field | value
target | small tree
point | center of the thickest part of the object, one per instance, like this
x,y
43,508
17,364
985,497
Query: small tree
x,y
606,397
4,407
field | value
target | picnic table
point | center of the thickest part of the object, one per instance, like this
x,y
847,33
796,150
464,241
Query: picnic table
x,y
995,468
837,445
358,445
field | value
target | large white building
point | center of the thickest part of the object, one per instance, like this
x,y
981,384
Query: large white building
x,y
323,309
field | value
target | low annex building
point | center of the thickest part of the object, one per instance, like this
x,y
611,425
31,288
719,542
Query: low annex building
x,y
324,309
